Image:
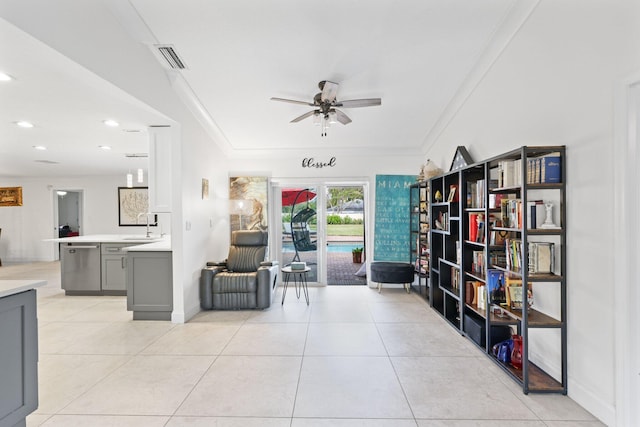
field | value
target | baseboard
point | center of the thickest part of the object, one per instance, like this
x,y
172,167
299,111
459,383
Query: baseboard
x,y
184,317
606,413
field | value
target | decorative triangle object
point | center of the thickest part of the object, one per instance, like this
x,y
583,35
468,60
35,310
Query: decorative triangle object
x,y
461,159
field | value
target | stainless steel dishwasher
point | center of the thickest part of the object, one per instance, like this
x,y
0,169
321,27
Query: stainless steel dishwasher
x,y
80,268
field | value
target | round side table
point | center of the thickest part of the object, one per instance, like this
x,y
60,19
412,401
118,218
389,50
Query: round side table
x,y
299,280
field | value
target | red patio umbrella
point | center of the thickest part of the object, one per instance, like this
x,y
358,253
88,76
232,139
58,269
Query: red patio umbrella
x,y
296,195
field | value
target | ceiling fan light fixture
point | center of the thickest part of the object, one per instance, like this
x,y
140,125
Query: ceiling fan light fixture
x,y
317,119
333,119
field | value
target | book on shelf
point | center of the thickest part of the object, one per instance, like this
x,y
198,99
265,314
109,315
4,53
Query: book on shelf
x,y
453,193
473,227
475,193
477,262
545,169
495,286
455,279
513,248
535,213
442,221
512,212
480,232
514,294
541,258
498,258
481,296
504,207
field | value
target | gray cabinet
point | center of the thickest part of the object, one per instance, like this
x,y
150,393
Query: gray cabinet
x,y
114,269
149,285
19,356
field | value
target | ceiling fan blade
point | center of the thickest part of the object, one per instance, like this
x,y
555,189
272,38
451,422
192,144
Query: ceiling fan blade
x,y
292,101
353,103
329,91
304,116
342,117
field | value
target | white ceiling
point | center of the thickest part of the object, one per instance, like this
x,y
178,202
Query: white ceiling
x,y
421,57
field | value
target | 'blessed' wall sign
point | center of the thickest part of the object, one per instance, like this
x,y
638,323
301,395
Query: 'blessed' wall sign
x,y
310,162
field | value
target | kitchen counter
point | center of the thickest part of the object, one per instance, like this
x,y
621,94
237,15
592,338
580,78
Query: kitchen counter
x,y
163,245
12,287
134,239
96,264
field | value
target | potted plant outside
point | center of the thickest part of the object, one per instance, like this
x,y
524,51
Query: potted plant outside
x,y
357,255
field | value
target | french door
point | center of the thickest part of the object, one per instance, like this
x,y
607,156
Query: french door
x,y
300,227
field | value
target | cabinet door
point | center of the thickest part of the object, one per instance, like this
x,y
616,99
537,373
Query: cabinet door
x,y
19,356
149,281
160,168
114,273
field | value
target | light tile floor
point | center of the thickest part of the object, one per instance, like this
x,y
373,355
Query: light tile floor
x,y
353,357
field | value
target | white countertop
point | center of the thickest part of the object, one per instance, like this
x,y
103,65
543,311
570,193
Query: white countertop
x,y
163,245
139,242
12,287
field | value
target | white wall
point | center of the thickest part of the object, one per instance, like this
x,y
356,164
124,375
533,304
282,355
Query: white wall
x,y
24,228
554,85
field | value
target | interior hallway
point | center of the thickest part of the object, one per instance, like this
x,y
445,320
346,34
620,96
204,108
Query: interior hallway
x,y
353,357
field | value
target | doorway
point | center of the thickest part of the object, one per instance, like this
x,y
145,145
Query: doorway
x,y
302,222
345,237
67,214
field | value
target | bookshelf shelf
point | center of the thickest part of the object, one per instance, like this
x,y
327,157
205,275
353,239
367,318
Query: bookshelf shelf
x,y
476,276
495,224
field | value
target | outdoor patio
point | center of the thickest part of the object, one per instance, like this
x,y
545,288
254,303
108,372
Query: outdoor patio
x,y
341,268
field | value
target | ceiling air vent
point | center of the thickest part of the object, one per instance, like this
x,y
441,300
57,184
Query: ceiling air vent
x,y
48,162
169,54
134,155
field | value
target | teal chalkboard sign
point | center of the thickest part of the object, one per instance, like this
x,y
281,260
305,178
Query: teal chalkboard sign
x,y
392,238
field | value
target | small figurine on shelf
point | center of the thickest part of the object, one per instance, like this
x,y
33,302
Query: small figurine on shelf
x,y
548,222
438,196
428,171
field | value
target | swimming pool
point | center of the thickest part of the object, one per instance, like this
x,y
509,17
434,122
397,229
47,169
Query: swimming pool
x,y
339,247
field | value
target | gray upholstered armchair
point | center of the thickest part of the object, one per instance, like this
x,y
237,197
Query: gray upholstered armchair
x,y
244,280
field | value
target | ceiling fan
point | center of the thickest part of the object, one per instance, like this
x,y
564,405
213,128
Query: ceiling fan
x,y
325,104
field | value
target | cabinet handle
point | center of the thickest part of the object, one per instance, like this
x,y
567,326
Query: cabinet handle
x,y
123,262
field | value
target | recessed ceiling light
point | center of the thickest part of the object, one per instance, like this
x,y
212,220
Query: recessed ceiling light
x,y
39,147
111,123
104,147
24,124
5,77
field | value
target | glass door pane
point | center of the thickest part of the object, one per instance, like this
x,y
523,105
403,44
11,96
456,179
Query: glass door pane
x,y
300,228
345,235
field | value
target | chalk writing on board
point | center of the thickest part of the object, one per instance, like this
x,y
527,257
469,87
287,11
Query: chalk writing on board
x,y
392,240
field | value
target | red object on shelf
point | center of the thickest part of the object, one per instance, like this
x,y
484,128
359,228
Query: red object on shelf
x,y
516,353
473,227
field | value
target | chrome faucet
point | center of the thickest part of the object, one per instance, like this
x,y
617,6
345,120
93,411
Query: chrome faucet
x,y
147,215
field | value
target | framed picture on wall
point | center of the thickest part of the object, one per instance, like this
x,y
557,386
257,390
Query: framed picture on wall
x,y
133,204
10,196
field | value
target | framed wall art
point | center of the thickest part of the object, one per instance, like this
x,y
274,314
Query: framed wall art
x,y
132,204
248,202
10,196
